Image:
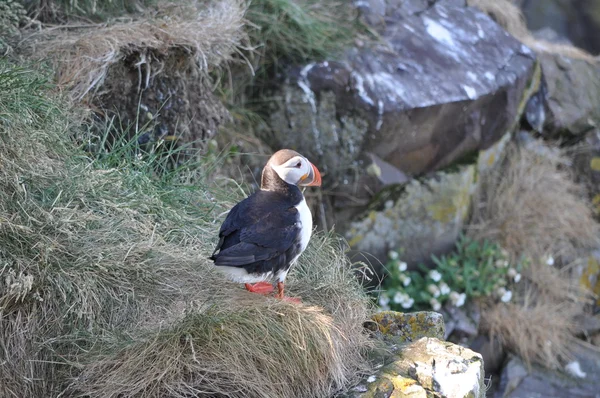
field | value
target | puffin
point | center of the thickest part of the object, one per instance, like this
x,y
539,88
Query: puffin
x,y
263,236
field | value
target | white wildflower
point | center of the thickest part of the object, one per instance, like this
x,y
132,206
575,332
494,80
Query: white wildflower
x,y
458,299
434,290
461,299
435,275
506,296
384,300
517,278
405,279
393,254
402,266
502,263
574,369
399,297
408,303
444,288
371,379
435,304
511,272
550,260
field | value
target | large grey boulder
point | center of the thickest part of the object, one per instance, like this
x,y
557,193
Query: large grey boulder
x,y
446,81
579,379
573,96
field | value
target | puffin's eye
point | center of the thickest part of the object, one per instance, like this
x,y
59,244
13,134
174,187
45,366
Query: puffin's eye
x,y
298,165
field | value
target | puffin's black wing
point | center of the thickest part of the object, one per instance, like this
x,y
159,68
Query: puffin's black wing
x,y
258,233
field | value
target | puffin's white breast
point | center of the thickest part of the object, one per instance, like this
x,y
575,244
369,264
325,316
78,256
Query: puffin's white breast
x,y
305,220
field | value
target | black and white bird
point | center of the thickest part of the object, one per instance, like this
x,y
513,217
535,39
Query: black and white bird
x,y
264,234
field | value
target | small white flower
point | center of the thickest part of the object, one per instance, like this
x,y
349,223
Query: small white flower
x,y
574,369
393,254
435,304
384,300
406,281
402,266
517,278
506,296
444,288
408,303
511,272
385,307
434,290
550,260
435,275
398,297
371,379
458,299
500,291
461,299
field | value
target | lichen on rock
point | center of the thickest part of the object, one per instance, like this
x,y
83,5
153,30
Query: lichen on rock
x,y
426,218
401,327
428,367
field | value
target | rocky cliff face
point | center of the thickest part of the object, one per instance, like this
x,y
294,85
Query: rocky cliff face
x,y
444,81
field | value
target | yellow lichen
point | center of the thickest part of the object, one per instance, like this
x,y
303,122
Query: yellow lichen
x,y
595,163
355,240
590,277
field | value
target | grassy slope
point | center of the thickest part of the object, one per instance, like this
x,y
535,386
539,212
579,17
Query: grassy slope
x,y
106,290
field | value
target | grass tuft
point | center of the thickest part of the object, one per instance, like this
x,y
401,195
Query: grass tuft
x,y
107,291
508,15
199,36
532,207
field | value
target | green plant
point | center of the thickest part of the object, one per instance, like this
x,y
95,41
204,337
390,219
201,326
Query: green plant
x,y
475,270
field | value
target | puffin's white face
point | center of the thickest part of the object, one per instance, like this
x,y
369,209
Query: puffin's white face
x,y
298,171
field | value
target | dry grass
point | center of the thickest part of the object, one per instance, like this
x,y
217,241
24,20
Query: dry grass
x,y
107,291
207,32
532,207
510,17
547,337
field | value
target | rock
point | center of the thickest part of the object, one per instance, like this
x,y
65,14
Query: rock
x,y
579,24
573,94
579,380
426,218
401,327
462,323
425,368
446,81
492,352
422,217
586,156
588,273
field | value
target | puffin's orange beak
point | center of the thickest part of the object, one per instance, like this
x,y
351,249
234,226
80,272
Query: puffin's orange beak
x,y
316,177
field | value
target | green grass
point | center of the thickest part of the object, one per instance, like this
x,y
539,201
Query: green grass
x,y
105,286
96,10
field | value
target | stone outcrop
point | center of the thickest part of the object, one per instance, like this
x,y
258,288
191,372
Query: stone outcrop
x,y
445,81
424,216
578,379
573,97
421,364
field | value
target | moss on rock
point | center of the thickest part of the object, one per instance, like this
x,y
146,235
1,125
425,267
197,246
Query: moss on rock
x,y
407,327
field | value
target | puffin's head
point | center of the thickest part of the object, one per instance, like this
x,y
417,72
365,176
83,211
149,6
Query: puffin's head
x,y
293,168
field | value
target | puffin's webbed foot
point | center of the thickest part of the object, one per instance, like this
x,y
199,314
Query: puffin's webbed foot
x,y
280,295
263,288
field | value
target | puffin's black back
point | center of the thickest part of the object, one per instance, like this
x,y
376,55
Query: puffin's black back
x,y
261,233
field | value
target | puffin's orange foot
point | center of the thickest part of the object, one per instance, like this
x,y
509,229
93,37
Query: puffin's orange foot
x,y
280,295
260,288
